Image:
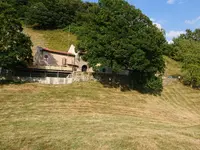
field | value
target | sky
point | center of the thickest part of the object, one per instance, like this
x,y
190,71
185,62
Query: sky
x,y
174,16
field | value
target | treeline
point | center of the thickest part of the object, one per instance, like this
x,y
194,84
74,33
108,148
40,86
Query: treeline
x,y
186,50
48,14
113,34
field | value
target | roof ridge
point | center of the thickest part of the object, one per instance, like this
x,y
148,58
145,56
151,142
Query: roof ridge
x,y
57,51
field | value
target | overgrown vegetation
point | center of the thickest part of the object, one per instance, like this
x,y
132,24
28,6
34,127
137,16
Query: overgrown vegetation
x,y
15,47
186,49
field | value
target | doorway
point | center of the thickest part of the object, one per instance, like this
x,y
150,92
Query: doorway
x,y
84,68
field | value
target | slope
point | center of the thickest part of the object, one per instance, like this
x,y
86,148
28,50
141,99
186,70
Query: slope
x,y
52,39
89,116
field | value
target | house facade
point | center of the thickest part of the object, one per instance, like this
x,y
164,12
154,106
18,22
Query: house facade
x,y
60,60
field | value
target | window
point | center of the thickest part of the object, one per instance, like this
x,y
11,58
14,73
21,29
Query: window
x,y
64,62
84,68
46,57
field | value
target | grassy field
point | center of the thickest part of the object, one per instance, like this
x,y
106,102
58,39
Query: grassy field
x,y
52,39
90,117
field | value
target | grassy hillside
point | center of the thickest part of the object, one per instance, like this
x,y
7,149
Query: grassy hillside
x,y
52,39
88,116
172,67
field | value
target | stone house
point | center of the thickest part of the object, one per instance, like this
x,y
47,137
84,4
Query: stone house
x,y
60,60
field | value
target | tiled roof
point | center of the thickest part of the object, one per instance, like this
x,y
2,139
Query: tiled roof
x,y
58,52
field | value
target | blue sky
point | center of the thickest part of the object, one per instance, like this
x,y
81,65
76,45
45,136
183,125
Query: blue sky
x,y
174,16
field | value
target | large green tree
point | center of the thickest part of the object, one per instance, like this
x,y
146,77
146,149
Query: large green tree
x,y
186,49
191,63
15,47
117,35
179,48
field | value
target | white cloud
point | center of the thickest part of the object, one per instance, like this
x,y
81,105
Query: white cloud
x,y
173,34
176,1
171,1
194,21
159,26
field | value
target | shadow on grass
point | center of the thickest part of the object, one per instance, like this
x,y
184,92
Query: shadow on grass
x,y
124,83
128,87
7,82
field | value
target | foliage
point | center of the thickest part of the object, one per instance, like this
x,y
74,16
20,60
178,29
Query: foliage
x,y
117,35
179,47
154,85
50,14
169,50
21,6
191,63
189,35
187,50
15,47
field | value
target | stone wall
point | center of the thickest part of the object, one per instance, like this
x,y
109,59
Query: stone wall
x,y
44,80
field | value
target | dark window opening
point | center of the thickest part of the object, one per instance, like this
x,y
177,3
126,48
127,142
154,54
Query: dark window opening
x,y
46,57
84,68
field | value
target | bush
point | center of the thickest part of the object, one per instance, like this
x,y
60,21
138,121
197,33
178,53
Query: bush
x,y
153,85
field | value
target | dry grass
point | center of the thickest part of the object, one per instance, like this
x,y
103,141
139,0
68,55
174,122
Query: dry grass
x,y
52,39
88,116
172,67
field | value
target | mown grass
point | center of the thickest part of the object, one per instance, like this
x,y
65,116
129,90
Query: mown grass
x,y
52,39
89,116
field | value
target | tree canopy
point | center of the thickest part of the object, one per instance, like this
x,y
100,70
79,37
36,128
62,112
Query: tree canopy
x,y
191,63
15,47
51,14
186,49
117,35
